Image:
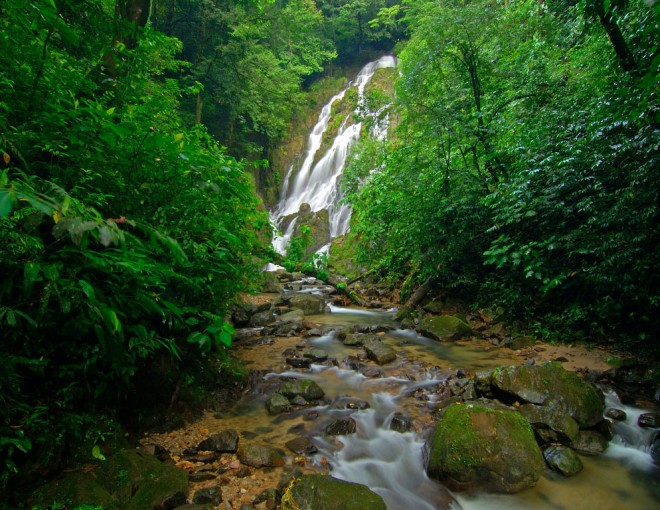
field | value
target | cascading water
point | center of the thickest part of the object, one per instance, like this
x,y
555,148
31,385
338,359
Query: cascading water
x,y
316,182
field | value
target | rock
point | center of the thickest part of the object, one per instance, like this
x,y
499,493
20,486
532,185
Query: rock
x,y
521,341
223,442
476,446
270,283
563,459
310,304
76,488
316,354
358,405
615,414
278,404
322,492
256,455
301,446
545,417
307,389
262,319
551,385
379,352
649,420
299,362
354,340
654,447
314,332
482,381
372,372
143,482
401,423
202,476
154,449
443,327
270,497
292,316
341,427
299,401
288,329
433,307
589,442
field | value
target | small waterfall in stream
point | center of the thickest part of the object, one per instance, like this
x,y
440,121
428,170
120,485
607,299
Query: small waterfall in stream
x,y
316,181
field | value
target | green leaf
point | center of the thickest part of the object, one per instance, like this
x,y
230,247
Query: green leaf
x,y
96,453
88,290
6,202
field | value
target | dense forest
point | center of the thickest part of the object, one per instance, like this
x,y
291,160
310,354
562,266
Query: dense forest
x,y
521,173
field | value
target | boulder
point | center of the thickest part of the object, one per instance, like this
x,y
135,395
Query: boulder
x,y
379,352
341,427
270,283
589,442
301,446
307,389
654,447
401,423
223,442
257,455
443,327
278,404
551,385
261,319
316,354
310,304
563,459
615,414
354,340
545,419
211,495
649,420
323,492
295,315
476,446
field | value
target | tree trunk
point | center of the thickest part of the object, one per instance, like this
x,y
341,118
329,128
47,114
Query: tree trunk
x,y
623,53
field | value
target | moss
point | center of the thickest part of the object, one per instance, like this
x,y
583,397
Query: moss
x,y
321,492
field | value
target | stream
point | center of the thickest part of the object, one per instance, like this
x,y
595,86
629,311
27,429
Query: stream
x,y
391,463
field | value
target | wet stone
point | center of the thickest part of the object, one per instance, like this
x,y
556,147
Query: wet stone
x,y
372,372
301,446
298,401
316,355
211,495
308,389
615,414
649,420
563,459
358,404
277,404
299,362
589,442
202,476
401,423
379,352
257,455
341,427
223,442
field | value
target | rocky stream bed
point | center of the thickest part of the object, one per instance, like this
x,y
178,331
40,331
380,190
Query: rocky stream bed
x,y
353,408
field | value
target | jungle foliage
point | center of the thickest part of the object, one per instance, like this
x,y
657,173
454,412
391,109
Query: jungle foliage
x,y
524,168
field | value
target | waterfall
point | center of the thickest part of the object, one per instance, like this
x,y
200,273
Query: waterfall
x,y
317,184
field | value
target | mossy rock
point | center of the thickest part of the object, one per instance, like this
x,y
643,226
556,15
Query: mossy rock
x,y
322,492
74,490
443,327
141,481
474,446
309,390
343,256
553,386
310,304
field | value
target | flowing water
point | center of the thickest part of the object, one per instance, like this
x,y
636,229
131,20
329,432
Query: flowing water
x,y
391,463
316,181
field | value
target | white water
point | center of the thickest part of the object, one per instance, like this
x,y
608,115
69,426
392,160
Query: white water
x,y
318,184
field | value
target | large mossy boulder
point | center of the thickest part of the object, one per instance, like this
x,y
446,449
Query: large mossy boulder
x,y
310,304
554,387
129,480
443,327
322,492
474,446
